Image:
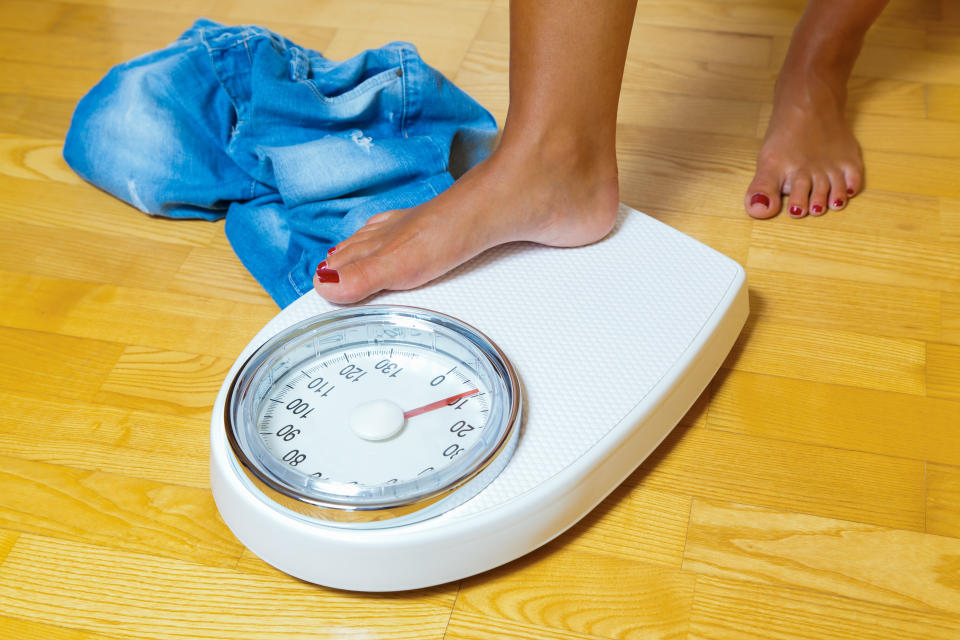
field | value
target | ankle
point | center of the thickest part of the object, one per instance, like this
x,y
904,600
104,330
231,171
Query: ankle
x,y
562,152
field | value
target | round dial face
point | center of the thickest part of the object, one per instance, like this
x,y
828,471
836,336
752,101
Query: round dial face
x,y
375,416
372,415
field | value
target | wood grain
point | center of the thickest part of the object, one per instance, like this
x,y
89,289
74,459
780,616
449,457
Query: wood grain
x,y
31,630
128,595
587,593
96,436
821,480
724,608
943,499
170,382
907,569
831,355
890,424
812,491
116,511
943,371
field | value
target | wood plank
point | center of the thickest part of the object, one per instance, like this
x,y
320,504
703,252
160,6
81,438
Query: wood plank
x,y
906,172
443,54
29,15
72,51
943,102
919,136
650,42
586,593
406,20
755,84
733,609
195,7
943,371
829,355
216,270
688,171
40,80
35,159
88,256
950,318
32,116
943,500
56,205
885,566
160,26
469,626
768,18
880,260
950,220
55,365
824,481
831,303
115,511
687,113
163,320
98,437
7,540
929,67
33,630
168,382
833,416
729,237
484,74
635,523
944,37
104,590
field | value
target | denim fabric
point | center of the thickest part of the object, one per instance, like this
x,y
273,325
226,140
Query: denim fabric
x,y
297,151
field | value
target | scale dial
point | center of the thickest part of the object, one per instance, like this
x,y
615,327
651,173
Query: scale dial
x,y
375,416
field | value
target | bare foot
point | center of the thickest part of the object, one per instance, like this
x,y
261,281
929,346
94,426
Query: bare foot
x,y
809,153
561,197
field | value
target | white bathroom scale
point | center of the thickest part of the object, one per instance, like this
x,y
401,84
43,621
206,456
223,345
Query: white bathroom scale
x,y
429,435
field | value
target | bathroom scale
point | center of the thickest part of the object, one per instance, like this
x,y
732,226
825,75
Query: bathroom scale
x,y
428,435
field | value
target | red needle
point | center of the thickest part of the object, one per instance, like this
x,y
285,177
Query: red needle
x,y
439,404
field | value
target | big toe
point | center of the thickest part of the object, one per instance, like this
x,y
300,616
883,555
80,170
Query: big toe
x,y
350,282
762,199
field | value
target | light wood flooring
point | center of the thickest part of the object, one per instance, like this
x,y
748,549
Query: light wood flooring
x,y
812,492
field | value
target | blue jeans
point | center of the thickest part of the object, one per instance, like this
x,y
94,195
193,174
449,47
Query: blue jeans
x,y
297,151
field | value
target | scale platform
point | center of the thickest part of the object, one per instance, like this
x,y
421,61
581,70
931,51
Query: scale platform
x,y
612,344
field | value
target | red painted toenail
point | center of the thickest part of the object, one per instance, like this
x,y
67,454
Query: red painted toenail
x,y
838,203
816,208
326,275
759,198
796,211
331,250
849,192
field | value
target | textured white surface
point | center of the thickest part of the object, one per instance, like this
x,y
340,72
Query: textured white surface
x,y
590,330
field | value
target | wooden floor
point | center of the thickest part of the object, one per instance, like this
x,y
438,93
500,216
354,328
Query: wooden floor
x,y
812,492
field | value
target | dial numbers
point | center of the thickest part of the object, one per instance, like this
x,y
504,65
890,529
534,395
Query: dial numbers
x,y
306,421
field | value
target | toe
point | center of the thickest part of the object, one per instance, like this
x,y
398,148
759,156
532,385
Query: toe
x,y
350,283
853,181
819,194
799,202
762,199
838,191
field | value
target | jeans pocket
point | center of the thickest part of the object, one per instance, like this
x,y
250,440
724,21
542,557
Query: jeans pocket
x,y
374,82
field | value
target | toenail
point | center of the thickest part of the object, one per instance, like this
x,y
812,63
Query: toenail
x,y
326,275
331,250
849,192
816,208
796,211
759,198
838,203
